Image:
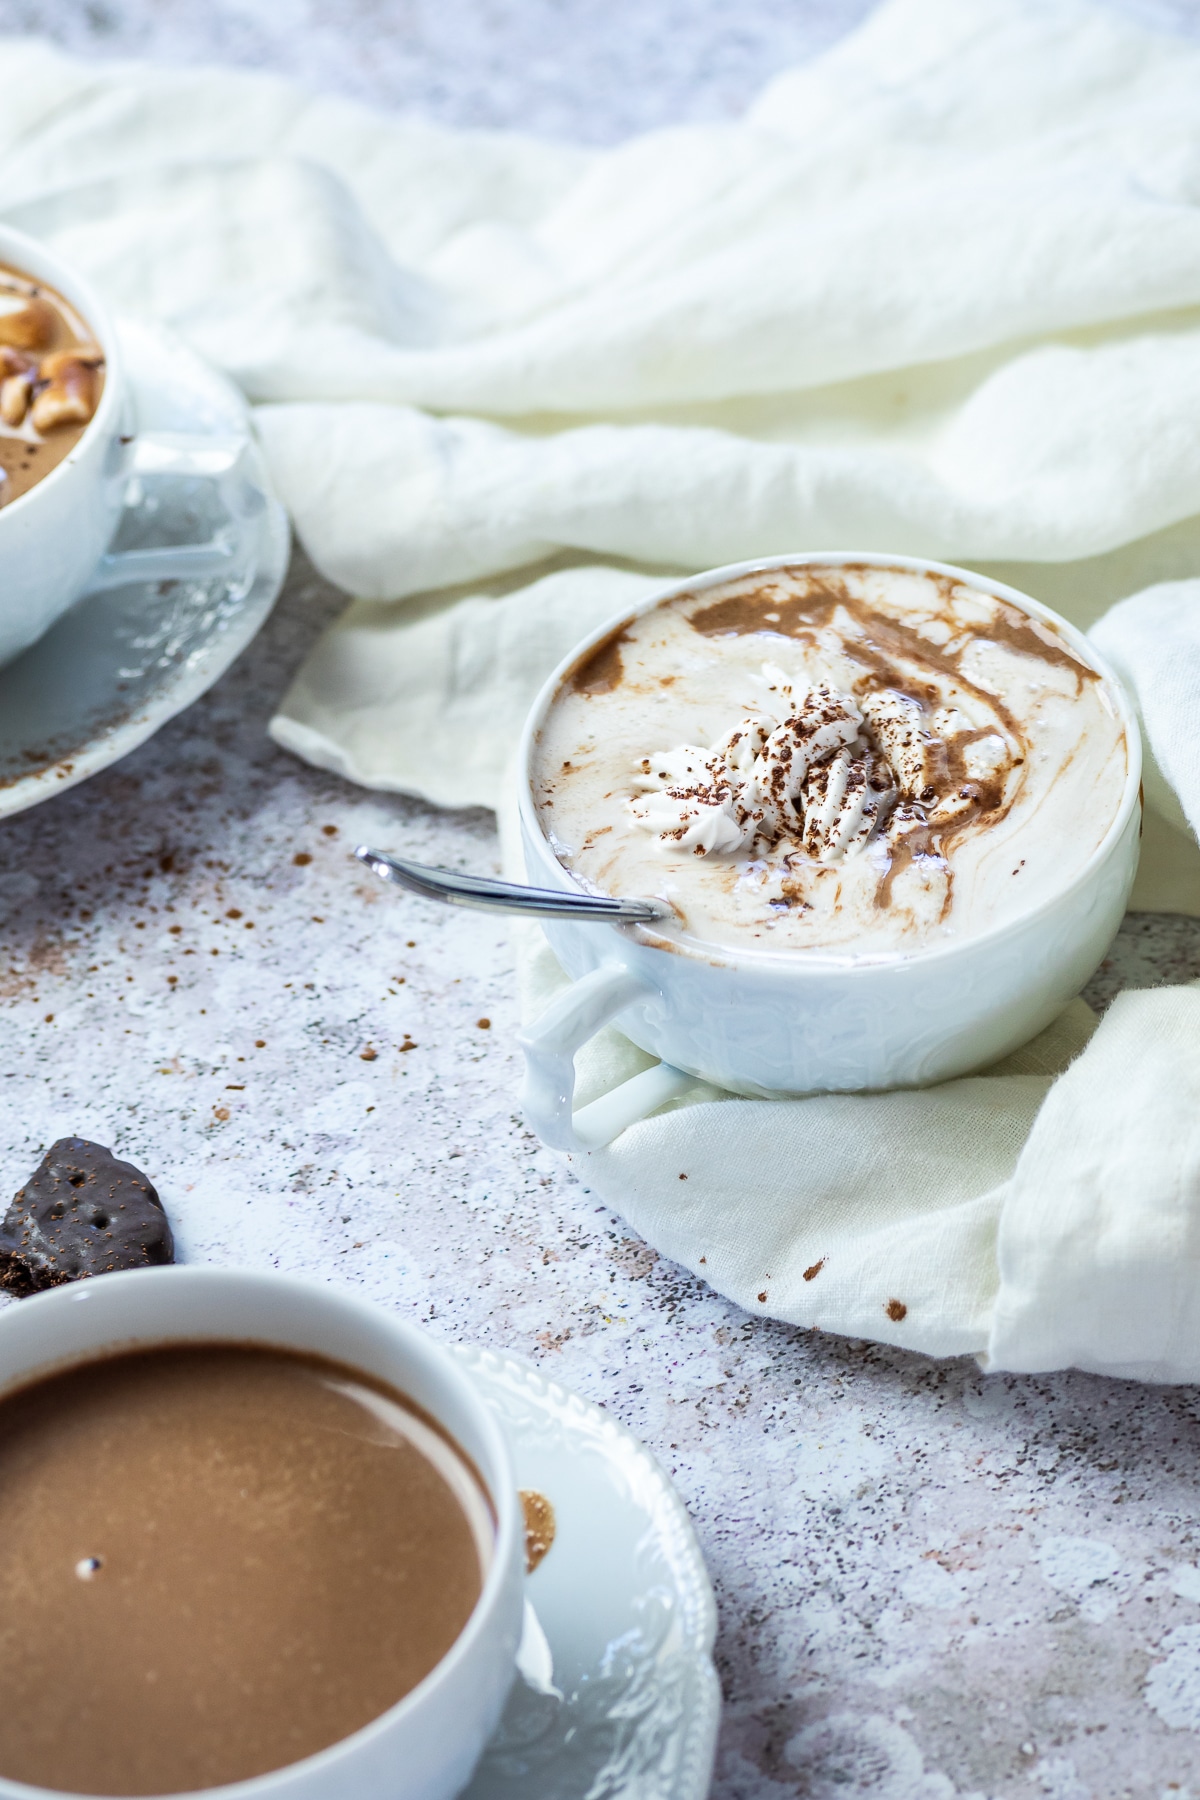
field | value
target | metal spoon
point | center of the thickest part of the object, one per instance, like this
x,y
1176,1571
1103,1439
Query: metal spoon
x,y
481,891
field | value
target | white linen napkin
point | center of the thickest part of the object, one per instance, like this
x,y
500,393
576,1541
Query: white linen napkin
x,y
1036,1218
939,292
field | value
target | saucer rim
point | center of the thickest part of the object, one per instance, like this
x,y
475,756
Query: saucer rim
x,y
671,1525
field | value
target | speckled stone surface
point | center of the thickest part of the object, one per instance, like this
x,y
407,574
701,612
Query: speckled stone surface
x,y
594,70
931,1584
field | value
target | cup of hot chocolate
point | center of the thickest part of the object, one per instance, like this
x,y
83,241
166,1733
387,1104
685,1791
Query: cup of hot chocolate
x,y
891,806
257,1539
69,450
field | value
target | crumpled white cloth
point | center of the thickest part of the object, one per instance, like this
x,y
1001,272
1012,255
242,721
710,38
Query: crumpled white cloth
x,y
1041,1215
938,291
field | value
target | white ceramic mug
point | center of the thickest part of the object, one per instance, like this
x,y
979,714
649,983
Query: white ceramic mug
x,y
54,538
424,1747
766,1023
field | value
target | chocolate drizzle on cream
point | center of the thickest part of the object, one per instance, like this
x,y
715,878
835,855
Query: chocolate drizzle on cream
x,y
884,643
917,773
832,776
600,671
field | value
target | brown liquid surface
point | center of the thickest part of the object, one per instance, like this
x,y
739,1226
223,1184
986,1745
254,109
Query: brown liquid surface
x,y
214,1560
24,463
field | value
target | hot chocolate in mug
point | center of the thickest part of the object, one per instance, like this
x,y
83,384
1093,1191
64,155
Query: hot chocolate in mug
x,y
55,535
424,1746
747,1002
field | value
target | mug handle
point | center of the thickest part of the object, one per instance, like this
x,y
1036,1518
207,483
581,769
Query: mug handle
x,y
210,458
550,1044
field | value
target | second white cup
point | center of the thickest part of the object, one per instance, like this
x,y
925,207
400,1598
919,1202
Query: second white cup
x,y
425,1747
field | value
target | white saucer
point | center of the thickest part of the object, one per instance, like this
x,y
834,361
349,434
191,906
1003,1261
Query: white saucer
x,y
121,663
626,1703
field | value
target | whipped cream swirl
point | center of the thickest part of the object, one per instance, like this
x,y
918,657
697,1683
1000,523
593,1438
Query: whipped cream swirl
x,y
825,778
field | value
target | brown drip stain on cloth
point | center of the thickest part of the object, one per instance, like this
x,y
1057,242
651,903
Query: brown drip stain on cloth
x,y
601,670
896,1310
810,1274
540,1527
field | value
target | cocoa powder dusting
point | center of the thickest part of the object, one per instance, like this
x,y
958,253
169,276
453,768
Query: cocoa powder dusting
x,y
883,646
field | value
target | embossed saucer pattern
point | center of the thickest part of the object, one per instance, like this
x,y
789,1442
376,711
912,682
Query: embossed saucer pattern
x,y
622,1703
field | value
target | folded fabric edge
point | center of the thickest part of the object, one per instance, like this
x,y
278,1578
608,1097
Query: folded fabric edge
x,y
1099,1243
924,1284
313,747
922,1279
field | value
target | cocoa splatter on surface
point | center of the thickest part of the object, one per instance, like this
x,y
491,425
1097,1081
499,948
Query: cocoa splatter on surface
x,y
635,1258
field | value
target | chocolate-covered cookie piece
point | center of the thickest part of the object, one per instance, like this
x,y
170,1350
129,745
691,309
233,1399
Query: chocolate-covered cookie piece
x,y
82,1212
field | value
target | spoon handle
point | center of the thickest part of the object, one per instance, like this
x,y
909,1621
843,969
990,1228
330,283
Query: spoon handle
x,y
459,889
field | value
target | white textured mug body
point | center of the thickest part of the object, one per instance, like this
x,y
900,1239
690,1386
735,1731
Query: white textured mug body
x,y
426,1746
766,1023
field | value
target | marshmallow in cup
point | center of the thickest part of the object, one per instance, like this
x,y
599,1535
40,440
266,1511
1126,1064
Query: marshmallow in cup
x,y
766,1022
426,1746
55,538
